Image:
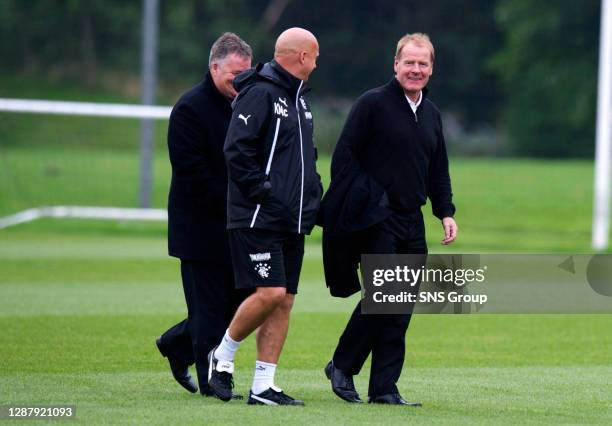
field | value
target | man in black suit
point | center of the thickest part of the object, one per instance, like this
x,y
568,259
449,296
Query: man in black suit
x,y
390,158
197,207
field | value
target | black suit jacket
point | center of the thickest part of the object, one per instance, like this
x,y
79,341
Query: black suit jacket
x,y
198,191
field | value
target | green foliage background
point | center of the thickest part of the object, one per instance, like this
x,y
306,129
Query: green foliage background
x,y
525,68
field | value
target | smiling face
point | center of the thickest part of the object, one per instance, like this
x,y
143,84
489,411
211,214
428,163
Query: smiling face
x,y
413,67
224,71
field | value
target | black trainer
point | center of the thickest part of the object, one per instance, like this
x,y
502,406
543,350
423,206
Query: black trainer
x,y
220,376
180,372
272,396
207,391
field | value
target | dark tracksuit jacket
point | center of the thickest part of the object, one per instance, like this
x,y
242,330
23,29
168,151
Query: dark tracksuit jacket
x,y
270,155
397,159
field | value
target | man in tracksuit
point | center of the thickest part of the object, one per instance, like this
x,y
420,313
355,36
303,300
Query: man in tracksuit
x,y
197,213
274,194
392,145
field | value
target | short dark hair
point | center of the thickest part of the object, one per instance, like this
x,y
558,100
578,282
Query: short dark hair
x,y
227,44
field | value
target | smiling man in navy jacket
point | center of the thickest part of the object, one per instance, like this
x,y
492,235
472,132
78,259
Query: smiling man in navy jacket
x,y
393,149
197,212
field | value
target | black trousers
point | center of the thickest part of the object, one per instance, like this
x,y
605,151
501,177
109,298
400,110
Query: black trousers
x,y
211,303
381,335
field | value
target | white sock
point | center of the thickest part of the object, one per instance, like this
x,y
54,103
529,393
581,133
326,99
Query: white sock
x,y
264,376
227,348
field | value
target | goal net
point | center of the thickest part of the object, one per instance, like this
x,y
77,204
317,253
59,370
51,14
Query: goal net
x,y
82,160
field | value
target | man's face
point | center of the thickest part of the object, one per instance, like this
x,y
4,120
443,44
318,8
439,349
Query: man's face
x,y
310,60
413,68
224,72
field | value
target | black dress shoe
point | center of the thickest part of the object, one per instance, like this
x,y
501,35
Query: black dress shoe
x,y
180,372
392,399
342,384
206,390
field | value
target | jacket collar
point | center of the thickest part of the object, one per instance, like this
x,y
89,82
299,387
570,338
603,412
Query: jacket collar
x,y
280,76
394,86
272,72
209,85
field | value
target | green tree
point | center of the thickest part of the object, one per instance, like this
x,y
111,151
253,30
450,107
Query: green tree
x,y
548,66
358,39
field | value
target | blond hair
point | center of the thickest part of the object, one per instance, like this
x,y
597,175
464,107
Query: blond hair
x,y
419,39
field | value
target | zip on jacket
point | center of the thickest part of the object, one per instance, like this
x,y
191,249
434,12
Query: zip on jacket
x,y
270,155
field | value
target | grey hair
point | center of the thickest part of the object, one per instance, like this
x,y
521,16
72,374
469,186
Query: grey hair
x,y
227,44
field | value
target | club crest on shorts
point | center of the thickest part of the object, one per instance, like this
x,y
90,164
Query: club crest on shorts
x,y
263,269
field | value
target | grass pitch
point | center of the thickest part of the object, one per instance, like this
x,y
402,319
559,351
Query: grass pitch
x,y
81,303
80,311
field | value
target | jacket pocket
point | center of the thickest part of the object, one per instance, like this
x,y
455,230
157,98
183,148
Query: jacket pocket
x,y
275,201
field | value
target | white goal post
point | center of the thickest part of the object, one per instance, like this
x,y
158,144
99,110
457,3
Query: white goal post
x,y
603,150
38,106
